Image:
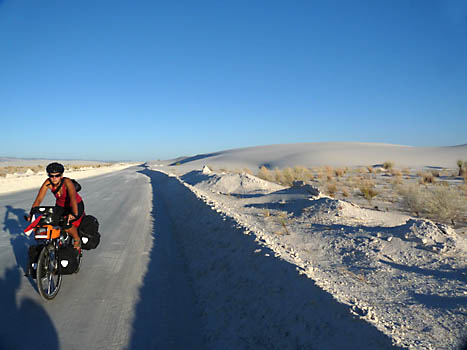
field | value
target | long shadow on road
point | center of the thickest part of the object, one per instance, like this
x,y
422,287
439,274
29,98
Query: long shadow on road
x,y
165,316
248,298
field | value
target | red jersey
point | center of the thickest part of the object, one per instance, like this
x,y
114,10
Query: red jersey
x,y
63,199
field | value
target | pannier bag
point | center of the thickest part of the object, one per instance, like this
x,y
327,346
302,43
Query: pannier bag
x,y
88,231
33,256
67,260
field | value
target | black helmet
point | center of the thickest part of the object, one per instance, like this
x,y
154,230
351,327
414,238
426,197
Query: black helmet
x,y
55,168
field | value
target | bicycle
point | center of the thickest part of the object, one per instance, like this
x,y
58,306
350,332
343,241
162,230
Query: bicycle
x,y
49,231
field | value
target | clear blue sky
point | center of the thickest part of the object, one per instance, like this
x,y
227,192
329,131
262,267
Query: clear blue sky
x,y
140,80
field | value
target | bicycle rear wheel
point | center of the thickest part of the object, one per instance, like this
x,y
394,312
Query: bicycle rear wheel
x,y
48,278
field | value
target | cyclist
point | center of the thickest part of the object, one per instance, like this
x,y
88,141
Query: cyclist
x,y
68,202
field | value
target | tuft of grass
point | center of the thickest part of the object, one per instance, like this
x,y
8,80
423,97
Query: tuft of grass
x,y
413,198
339,172
427,178
442,203
345,192
367,189
265,174
286,176
445,204
331,189
388,165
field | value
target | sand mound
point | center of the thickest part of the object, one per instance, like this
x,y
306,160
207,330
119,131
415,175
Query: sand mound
x,y
230,183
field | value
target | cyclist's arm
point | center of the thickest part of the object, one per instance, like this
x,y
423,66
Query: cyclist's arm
x,y
70,187
41,194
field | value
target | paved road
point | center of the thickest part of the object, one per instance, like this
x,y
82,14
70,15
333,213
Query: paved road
x,y
132,291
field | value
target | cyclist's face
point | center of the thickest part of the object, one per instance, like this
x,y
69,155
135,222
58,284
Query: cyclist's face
x,y
55,178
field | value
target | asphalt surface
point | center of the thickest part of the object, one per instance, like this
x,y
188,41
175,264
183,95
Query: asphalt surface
x,y
132,292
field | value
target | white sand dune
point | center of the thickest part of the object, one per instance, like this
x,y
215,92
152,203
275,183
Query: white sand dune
x,y
333,154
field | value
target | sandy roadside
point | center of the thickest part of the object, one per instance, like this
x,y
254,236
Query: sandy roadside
x,y
21,182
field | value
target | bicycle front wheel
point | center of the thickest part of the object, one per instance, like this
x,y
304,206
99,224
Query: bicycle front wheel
x,y
48,278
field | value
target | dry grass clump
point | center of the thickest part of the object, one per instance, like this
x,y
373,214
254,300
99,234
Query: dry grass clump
x,y
412,197
367,189
388,165
340,172
426,178
441,203
331,189
302,174
395,172
345,192
286,176
265,174
446,204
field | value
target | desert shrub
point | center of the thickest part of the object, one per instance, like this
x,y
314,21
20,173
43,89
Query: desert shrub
x,y
441,203
288,177
436,173
331,189
370,169
278,176
367,189
388,165
395,172
427,178
361,170
302,174
445,203
265,174
285,176
345,192
339,172
413,198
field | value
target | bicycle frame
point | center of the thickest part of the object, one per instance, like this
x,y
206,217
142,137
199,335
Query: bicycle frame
x,y
49,232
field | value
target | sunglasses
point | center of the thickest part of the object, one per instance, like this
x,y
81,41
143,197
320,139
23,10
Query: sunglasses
x,y
54,175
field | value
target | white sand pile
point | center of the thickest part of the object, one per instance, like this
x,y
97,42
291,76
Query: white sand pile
x,y
240,183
